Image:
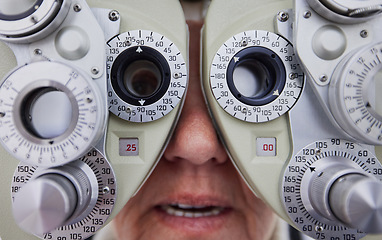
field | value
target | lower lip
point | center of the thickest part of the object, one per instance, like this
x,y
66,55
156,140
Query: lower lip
x,y
194,225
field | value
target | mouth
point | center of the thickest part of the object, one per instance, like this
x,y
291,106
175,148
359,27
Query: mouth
x,y
191,214
191,211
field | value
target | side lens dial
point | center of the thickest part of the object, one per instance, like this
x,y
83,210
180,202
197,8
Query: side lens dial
x,y
147,76
255,76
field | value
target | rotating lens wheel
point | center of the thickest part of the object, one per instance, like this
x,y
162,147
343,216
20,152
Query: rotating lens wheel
x,y
148,76
255,76
51,118
354,94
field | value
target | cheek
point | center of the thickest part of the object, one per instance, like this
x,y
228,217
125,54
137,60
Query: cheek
x,y
127,223
260,219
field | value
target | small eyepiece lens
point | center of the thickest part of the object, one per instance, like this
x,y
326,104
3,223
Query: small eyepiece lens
x,y
251,78
142,78
47,113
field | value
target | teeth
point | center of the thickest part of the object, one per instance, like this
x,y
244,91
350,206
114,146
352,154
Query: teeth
x,y
183,210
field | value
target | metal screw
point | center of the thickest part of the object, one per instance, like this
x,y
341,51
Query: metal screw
x,y
128,43
95,70
106,190
128,110
244,43
319,228
364,33
177,75
114,15
37,51
89,100
324,78
292,76
283,16
77,8
318,151
2,114
307,14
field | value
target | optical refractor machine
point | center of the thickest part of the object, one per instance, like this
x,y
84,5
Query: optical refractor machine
x,y
91,92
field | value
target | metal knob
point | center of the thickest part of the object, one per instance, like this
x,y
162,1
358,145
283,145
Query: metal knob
x,y
357,201
56,197
45,204
349,195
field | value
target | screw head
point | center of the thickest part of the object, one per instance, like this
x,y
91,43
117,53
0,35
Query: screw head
x,y
114,15
323,78
364,33
307,14
37,51
77,8
95,70
283,16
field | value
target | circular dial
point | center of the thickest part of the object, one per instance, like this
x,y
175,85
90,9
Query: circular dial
x,y
147,76
80,208
313,195
255,76
354,98
21,18
52,117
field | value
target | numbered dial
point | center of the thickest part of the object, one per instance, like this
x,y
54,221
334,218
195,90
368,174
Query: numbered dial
x,y
50,114
354,96
80,208
148,76
255,76
331,188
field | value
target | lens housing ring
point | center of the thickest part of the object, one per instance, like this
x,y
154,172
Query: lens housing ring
x,y
163,63
126,59
275,71
84,131
21,27
353,94
280,63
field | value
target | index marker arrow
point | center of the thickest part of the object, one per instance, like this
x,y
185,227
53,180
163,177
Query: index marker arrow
x,y
236,59
312,169
139,50
142,102
276,93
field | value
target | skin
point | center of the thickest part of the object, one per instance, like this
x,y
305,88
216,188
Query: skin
x,y
195,170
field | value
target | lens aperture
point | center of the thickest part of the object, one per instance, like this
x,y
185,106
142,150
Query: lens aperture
x,y
47,113
251,79
142,78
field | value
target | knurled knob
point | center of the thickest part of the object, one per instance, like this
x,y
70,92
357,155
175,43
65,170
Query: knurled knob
x,y
357,201
45,203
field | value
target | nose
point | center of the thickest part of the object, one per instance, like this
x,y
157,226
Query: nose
x,y
195,138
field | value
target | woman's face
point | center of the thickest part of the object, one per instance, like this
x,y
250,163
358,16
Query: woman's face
x,y
195,192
